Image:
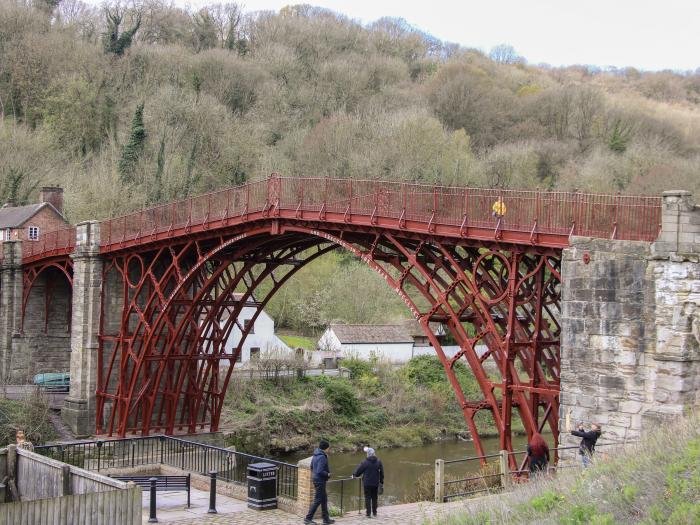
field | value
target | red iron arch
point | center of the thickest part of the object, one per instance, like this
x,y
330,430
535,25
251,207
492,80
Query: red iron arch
x,y
162,370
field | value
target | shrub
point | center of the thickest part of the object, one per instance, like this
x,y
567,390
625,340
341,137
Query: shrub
x,y
358,367
341,396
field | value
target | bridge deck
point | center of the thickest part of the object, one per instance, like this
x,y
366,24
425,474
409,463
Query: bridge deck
x,y
540,218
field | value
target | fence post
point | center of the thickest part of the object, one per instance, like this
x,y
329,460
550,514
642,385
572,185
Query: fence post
x,y
65,478
212,493
161,440
439,481
152,505
505,469
99,453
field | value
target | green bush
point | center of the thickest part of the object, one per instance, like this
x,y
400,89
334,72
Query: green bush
x,y
426,370
358,367
342,398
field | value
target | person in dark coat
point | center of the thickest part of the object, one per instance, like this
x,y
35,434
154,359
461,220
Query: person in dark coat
x,y
320,473
588,441
372,472
538,452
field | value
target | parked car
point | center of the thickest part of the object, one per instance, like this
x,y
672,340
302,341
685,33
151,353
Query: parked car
x,y
53,382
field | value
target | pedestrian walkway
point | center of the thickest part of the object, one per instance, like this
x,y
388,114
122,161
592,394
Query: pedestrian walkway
x,y
406,514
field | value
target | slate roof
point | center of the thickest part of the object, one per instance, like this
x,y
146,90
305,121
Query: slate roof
x,y
366,333
16,216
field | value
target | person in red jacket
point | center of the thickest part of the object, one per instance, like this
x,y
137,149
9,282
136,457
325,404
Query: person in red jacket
x,y
538,452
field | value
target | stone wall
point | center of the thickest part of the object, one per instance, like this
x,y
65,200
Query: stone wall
x,y
630,320
43,345
41,342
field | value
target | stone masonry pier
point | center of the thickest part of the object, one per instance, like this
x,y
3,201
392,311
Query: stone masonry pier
x,y
630,350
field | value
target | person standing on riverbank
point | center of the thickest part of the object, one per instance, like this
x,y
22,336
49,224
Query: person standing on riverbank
x,y
372,472
588,441
538,453
320,474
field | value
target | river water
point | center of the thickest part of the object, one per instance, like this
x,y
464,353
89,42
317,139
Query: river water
x,y
402,467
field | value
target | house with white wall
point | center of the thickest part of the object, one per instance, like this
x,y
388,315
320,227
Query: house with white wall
x,y
395,343
261,338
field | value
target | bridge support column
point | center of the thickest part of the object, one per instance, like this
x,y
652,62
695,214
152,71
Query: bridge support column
x,y
79,407
11,284
630,350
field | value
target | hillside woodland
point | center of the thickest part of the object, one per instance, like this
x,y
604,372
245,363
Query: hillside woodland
x,y
130,105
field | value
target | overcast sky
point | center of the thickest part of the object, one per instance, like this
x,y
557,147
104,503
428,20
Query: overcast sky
x,y
647,34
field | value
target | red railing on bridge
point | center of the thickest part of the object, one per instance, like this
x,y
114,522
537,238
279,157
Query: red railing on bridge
x,y
59,242
625,217
535,212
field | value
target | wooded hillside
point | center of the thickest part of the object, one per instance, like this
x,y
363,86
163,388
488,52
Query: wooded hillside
x,y
130,106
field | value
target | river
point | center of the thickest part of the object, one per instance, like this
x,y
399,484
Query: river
x,y
402,467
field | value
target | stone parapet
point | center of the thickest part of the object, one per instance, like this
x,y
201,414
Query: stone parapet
x,y
680,224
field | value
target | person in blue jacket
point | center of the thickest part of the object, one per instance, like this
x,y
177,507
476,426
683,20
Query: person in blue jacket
x,y
320,473
372,472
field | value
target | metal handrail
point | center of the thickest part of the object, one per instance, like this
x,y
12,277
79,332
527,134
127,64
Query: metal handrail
x,y
167,450
537,213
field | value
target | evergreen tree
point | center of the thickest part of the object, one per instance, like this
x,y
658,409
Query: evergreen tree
x,y
132,150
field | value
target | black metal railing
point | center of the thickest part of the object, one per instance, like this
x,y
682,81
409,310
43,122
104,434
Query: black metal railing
x,y
191,456
345,494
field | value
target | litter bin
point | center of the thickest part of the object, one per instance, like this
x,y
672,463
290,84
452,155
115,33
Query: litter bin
x,y
262,486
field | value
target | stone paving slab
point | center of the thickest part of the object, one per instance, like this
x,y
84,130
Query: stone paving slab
x,y
172,506
407,514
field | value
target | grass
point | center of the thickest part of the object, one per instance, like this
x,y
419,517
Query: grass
x,y
298,341
651,483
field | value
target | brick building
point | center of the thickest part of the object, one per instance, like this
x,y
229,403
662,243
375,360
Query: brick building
x,y
31,221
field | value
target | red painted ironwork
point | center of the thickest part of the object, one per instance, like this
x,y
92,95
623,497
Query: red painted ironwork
x,y
177,276
163,365
49,269
50,244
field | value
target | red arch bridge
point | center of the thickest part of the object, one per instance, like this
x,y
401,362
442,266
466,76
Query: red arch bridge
x,y
169,273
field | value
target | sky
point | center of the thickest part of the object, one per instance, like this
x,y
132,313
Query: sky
x,y
646,34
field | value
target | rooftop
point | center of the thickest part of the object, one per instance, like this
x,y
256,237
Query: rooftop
x,y
16,216
381,333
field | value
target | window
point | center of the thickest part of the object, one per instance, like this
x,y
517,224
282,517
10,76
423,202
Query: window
x,y
33,233
2,235
239,357
254,354
246,322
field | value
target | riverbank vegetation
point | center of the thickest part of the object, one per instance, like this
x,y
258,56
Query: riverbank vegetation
x,y
376,404
29,415
654,482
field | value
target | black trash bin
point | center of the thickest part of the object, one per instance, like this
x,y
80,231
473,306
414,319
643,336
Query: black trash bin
x,y
262,486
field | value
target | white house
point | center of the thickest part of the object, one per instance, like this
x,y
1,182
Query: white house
x,y
261,337
397,343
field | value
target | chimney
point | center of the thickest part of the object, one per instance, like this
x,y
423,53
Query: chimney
x,y
53,195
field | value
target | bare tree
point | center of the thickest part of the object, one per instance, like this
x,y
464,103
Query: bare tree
x,y
227,20
505,54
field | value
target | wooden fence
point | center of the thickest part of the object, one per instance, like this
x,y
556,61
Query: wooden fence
x,y
52,492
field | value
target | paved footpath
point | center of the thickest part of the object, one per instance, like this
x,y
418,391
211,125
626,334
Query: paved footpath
x,y
406,514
